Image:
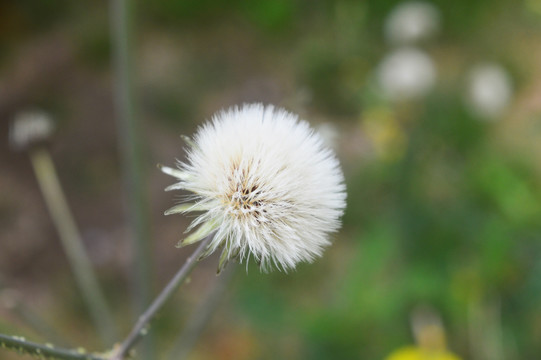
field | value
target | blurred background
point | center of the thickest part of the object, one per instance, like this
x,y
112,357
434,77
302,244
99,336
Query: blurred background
x,y
434,109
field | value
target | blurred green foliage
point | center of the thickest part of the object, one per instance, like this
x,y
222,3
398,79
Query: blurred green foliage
x,y
451,219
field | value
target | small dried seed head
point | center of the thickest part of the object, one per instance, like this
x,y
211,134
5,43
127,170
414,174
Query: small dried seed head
x,y
30,128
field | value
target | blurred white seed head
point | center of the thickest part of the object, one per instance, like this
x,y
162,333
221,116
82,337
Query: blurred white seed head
x,y
30,127
412,21
489,91
265,185
406,74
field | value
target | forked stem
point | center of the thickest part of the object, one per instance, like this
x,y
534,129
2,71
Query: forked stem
x,y
139,330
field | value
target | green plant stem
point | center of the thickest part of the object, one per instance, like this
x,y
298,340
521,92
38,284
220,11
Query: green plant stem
x,y
139,330
72,243
44,351
131,150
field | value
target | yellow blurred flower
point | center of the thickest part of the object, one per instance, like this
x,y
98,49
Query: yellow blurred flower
x,y
385,133
418,353
429,337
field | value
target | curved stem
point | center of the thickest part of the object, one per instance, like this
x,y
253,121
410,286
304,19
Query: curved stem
x,y
44,351
139,330
72,243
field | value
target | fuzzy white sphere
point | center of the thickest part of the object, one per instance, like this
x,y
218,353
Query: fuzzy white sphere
x,y
412,21
490,91
29,128
406,74
266,186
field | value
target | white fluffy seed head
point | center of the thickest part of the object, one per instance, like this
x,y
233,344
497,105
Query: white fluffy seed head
x,y
266,185
406,74
30,128
490,90
412,21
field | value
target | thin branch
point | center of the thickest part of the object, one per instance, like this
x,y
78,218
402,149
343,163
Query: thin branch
x,y
131,148
72,243
44,351
139,330
132,153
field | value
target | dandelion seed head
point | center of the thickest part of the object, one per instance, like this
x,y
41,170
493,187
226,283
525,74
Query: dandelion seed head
x,y
406,74
29,128
266,186
490,91
412,21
